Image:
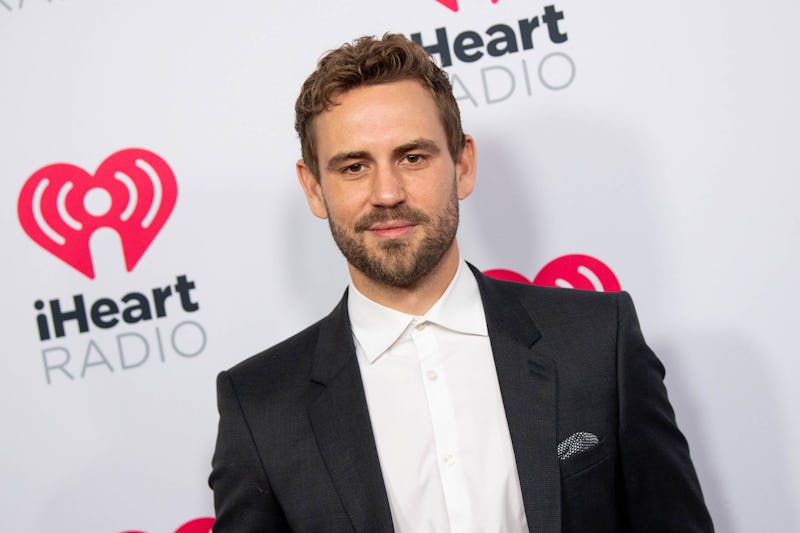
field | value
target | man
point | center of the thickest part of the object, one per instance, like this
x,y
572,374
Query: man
x,y
433,398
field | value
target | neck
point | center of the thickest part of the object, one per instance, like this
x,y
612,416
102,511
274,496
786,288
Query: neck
x,y
418,297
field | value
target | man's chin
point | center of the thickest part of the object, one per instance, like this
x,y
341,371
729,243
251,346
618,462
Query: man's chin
x,y
392,271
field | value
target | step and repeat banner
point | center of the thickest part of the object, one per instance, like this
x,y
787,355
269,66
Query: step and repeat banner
x,y
154,232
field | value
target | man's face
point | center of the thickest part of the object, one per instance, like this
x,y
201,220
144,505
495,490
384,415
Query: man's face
x,y
388,185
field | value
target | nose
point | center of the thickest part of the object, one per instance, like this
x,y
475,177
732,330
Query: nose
x,y
388,189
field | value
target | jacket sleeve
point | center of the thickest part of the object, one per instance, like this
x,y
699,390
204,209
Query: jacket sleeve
x,y
243,499
659,484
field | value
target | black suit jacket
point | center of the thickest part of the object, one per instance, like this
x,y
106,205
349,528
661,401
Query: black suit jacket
x,y
295,448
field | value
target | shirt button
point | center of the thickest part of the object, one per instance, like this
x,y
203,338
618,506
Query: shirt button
x,y
431,375
420,326
449,459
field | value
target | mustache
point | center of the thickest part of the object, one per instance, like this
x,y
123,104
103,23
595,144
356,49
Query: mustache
x,y
387,214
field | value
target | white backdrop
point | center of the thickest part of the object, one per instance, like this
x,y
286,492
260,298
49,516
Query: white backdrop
x,y
659,139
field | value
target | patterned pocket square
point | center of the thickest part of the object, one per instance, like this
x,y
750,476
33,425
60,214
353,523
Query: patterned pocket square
x,y
576,443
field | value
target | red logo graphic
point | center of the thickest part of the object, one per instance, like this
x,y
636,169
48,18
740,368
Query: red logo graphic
x,y
453,4
198,525
568,271
133,192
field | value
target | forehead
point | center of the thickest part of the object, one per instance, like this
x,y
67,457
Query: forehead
x,y
380,115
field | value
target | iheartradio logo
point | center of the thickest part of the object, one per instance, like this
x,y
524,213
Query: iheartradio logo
x,y
453,4
133,192
199,525
573,271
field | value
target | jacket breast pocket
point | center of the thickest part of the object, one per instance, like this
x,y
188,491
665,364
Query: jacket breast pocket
x,y
588,491
583,460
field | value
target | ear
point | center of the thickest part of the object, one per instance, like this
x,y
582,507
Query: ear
x,y
312,189
466,166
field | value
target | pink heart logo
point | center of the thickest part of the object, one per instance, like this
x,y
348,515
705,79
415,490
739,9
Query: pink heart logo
x,y
198,525
453,4
132,192
573,271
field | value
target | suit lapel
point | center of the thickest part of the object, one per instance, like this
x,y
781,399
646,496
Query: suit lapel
x,y
340,422
527,381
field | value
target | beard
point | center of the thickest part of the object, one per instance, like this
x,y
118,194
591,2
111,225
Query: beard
x,y
398,262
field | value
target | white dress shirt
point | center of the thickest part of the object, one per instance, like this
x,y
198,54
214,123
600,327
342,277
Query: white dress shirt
x,y
437,414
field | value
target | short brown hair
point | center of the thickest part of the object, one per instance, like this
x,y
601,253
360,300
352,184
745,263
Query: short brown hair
x,y
372,61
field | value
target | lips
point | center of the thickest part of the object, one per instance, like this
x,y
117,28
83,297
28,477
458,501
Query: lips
x,y
392,230
391,225
390,218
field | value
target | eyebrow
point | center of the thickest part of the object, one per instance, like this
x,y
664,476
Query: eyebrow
x,y
426,145
341,158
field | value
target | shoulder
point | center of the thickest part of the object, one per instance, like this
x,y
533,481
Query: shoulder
x,y
273,380
289,363
545,304
283,355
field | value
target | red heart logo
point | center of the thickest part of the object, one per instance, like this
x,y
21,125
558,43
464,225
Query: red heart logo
x,y
449,4
132,192
573,271
198,525
453,4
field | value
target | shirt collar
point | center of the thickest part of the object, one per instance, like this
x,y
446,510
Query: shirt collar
x,y
377,327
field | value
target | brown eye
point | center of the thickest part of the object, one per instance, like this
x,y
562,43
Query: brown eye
x,y
354,168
